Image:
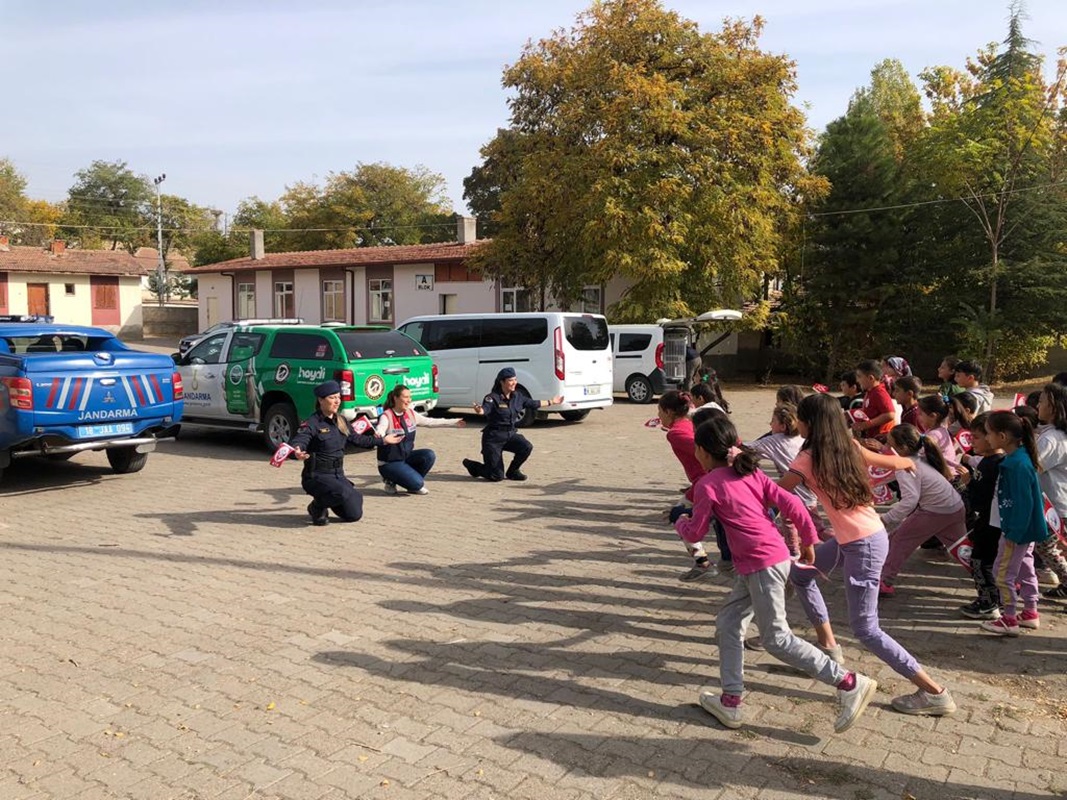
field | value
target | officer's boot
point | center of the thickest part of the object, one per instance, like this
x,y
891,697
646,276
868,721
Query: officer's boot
x,y
318,517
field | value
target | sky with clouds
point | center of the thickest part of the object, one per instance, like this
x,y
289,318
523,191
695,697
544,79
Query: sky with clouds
x,y
241,97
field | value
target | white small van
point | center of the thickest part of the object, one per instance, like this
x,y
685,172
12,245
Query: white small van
x,y
553,353
638,357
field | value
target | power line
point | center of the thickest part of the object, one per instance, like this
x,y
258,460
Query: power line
x,y
918,203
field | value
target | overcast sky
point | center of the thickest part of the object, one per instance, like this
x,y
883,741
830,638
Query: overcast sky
x,y
232,98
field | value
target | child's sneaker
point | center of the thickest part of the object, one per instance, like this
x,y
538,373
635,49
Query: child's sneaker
x,y
726,567
390,487
1005,626
976,610
836,654
886,589
1030,619
850,705
1056,593
698,573
730,717
1047,577
924,703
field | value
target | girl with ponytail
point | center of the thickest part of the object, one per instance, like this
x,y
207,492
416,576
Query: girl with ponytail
x,y
1019,512
739,495
929,505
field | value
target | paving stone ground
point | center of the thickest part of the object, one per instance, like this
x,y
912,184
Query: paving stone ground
x,y
184,633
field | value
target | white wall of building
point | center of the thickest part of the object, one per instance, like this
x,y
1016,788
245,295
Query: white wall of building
x,y
264,294
307,291
220,289
358,278
76,308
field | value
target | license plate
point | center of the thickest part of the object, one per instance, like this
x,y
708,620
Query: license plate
x,y
592,390
115,429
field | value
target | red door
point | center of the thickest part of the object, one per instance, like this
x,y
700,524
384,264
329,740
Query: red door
x,y
37,297
105,292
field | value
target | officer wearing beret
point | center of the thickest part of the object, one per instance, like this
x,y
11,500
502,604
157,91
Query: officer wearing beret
x,y
503,408
320,443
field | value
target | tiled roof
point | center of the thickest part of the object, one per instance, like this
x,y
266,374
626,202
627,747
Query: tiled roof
x,y
149,259
439,253
20,258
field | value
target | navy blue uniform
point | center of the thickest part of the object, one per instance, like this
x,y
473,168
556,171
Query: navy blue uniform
x,y
324,477
501,415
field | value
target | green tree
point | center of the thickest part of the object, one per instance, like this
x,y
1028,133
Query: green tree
x,y
116,203
992,142
895,100
850,258
12,194
639,146
373,205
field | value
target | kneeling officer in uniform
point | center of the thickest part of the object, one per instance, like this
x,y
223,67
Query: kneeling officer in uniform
x,y
320,443
503,408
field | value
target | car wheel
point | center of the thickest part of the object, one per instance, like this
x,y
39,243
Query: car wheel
x,y
574,416
124,460
279,425
529,415
639,389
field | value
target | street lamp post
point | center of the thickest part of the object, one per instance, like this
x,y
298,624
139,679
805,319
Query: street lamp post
x,y
161,267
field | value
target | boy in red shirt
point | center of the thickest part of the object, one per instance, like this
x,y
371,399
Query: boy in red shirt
x,y
906,391
877,405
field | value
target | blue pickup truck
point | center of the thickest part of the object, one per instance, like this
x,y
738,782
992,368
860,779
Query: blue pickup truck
x,y
65,389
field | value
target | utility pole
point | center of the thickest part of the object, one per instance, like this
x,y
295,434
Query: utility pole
x,y
161,267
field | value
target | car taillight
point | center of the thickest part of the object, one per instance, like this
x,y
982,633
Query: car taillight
x,y
659,355
558,360
436,388
19,392
344,377
176,383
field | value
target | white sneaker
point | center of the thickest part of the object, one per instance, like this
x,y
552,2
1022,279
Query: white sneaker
x,y
835,653
390,487
712,703
423,490
1046,577
852,704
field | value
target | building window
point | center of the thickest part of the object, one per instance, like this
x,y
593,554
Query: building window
x,y
590,302
381,300
283,299
516,299
333,301
246,301
69,287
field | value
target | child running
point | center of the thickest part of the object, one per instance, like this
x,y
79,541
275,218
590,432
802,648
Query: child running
x,y
933,419
984,536
674,418
906,391
1019,513
929,505
1052,452
833,466
877,405
740,496
781,446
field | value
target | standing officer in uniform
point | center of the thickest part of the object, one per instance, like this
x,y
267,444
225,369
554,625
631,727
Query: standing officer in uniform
x,y
320,443
502,408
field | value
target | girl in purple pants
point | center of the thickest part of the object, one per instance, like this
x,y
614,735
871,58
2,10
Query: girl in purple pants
x,y
832,465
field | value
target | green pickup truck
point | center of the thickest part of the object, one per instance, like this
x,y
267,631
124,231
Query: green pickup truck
x,y
261,377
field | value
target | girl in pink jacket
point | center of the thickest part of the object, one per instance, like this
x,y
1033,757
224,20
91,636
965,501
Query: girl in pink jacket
x,y
739,495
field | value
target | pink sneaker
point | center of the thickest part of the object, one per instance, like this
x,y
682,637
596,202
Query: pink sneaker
x,y
1030,619
886,589
1005,626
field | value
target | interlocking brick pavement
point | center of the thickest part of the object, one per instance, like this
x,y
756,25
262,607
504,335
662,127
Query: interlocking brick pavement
x,y
184,633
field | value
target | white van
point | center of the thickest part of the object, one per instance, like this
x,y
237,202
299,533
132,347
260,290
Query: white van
x,y
553,353
638,356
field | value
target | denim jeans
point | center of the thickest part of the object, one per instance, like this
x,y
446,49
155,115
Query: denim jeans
x,y
409,474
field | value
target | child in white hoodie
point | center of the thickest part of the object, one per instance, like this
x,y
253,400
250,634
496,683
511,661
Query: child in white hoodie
x,y
929,504
1052,453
